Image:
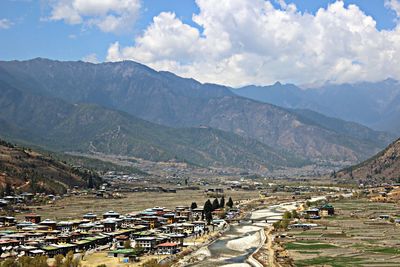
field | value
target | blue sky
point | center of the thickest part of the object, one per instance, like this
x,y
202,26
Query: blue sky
x,y
31,37
33,28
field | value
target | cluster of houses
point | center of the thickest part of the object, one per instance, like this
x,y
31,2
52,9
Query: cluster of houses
x,y
23,198
314,214
156,230
387,193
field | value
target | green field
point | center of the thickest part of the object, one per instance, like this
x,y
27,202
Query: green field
x,y
331,261
308,246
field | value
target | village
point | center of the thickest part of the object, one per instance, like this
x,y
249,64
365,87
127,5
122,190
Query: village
x,y
163,234
156,230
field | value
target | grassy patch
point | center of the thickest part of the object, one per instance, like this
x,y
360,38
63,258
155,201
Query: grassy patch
x,y
332,261
372,241
308,233
308,246
309,252
360,245
308,241
335,235
385,250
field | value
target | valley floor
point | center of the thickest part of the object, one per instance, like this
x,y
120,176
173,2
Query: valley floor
x,y
355,236
75,206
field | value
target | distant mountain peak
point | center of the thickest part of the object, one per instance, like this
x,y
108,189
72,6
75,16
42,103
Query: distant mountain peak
x,y
391,81
373,104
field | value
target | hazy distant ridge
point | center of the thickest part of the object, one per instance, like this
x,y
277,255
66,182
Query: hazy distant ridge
x,y
374,104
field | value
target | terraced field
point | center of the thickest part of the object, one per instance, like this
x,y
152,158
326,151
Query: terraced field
x,y
354,237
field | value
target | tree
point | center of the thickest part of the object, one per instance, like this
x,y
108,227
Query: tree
x,y
9,263
295,214
207,206
215,204
70,261
193,206
284,224
287,215
222,202
276,224
58,260
25,261
90,182
37,261
230,203
127,244
8,191
208,217
151,263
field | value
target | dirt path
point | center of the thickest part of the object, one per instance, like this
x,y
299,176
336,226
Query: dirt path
x,y
270,248
24,185
266,254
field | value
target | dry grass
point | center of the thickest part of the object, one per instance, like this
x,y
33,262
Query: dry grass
x,y
98,258
75,206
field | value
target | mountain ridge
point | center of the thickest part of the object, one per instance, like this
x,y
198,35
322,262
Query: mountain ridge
x,y
167,99
86,127
384,167
374,104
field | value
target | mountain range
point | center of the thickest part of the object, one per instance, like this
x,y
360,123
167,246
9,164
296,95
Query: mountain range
x,y
56,124
129,109
374,104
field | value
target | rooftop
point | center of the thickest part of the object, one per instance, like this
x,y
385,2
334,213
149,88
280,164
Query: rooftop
x,y
167,245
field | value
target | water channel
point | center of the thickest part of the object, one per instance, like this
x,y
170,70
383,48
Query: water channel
x,y
240,240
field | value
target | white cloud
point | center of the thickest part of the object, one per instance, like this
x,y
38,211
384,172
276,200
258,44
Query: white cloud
x,y
166,38
91,58
108,15
5,24
394,5
252,42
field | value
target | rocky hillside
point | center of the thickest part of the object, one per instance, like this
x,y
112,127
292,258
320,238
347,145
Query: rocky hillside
x,y
383,167
27,170
164,98
58,125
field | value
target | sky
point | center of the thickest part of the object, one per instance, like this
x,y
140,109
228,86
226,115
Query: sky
x,y
231,42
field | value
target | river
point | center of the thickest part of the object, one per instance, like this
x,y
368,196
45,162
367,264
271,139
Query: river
x,y
241,240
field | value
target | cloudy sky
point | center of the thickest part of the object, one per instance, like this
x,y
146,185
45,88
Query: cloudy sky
x,y
232,42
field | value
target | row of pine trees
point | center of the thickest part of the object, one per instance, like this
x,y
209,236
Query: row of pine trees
x,y
210,207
